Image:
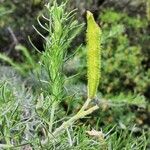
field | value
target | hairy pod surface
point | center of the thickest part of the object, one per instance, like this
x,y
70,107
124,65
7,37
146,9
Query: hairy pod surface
x,y
93,37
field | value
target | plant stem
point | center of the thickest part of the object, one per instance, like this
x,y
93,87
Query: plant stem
x,y
52,116
6,146
85,105
81,114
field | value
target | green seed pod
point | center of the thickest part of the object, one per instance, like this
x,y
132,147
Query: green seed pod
x,y
93,37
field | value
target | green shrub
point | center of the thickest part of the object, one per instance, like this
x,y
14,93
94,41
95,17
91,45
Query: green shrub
x,y
124,54
37,120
